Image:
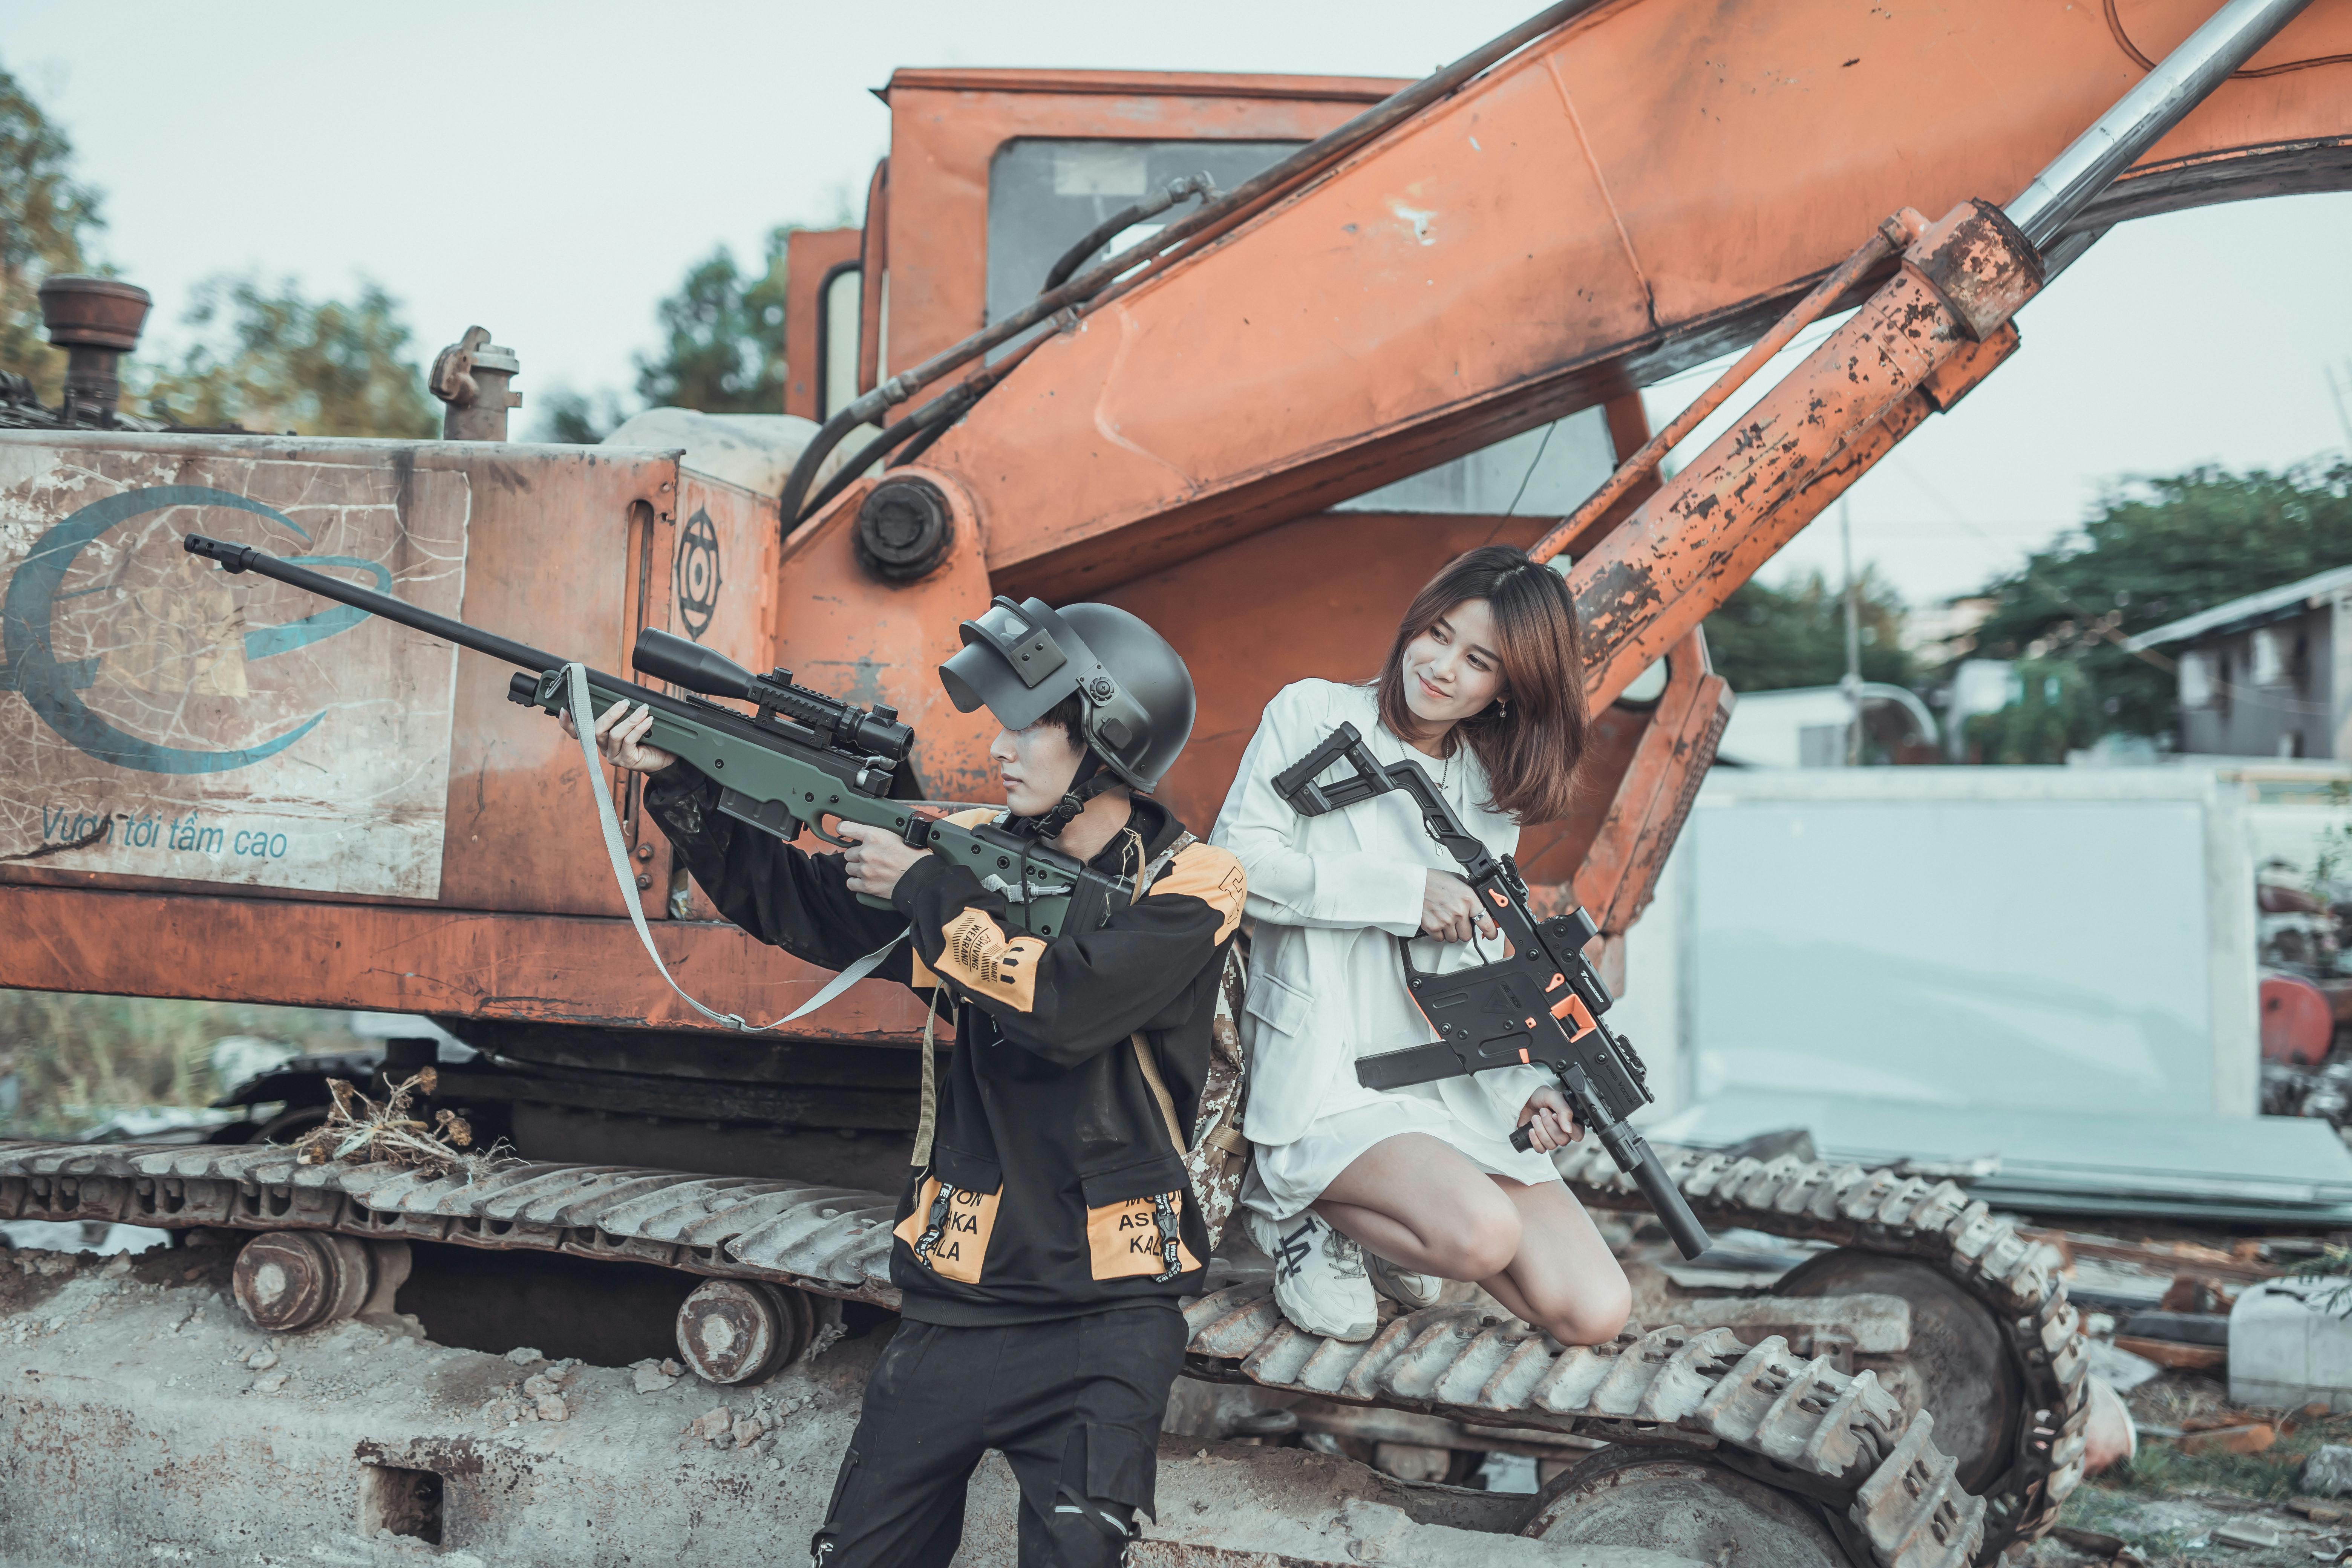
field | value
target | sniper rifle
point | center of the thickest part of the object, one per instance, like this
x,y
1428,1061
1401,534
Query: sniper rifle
x,y
1539,1005
801,758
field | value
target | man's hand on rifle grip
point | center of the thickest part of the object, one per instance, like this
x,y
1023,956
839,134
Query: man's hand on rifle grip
x,y
620,738
1550,1120
877,858
1449,911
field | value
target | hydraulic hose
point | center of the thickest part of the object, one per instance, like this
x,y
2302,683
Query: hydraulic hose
x,y
931,419
1200,186
1212,219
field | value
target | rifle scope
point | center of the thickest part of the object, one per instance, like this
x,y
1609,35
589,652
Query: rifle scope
x,y
665,657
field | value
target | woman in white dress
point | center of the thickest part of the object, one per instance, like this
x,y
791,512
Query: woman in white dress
x,y
1357,1189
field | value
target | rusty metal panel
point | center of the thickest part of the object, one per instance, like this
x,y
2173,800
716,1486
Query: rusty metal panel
x,y
550,564
169,719
810,254
848,633
391,767
415,958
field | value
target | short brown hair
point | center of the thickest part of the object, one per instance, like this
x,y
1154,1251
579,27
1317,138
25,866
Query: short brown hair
x,y
1530,752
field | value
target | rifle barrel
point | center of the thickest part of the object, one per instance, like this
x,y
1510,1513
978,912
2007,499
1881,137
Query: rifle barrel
x,y
245,558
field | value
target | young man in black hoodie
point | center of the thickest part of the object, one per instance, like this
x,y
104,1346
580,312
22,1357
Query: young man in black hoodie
x,y
1044,1234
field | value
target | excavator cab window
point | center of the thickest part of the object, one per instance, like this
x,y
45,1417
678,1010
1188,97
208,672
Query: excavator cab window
x,y
839,298
1545,471
1045,193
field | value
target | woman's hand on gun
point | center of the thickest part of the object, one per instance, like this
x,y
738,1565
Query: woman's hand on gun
x,y
620,738
1449,911
876,858
1550,1120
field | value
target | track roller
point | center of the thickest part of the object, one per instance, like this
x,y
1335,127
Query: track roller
x,y
746,1331
289,1280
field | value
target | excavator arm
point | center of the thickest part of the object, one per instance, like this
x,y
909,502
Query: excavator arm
x,y
1635,189
1641,188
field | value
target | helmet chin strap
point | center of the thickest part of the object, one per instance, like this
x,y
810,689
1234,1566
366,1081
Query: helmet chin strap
x,y
1091,779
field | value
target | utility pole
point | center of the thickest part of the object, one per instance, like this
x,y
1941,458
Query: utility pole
x,y
1853,682
2341,417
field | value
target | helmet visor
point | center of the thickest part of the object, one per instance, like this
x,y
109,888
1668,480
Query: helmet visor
x,y
1011,663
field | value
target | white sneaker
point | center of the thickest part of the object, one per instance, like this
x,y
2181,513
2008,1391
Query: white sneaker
x,y
1318,1275
1401,1285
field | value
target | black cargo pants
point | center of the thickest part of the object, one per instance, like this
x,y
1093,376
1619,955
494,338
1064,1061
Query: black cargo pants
x,y
1074,1406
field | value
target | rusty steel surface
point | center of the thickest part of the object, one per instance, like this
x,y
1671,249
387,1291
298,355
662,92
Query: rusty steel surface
x,y
547,534
810,257
405,958
946,126
1656,578
1544,194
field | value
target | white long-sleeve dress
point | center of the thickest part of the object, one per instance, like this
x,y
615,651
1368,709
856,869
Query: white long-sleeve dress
x,y
1329,894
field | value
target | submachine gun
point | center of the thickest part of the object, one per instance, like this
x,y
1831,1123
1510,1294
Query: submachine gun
x,y
802,757
1540,1007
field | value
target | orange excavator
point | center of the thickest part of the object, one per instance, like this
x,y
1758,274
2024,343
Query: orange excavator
x,y
1250,356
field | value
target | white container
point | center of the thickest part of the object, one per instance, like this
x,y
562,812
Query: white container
x,y
2285,1353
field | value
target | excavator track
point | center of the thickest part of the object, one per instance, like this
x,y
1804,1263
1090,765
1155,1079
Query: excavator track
x,y
1836,1437
1931,1222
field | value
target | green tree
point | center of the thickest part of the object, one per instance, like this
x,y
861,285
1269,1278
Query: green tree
x,y
575,418
45,217
1770,639
2170,548
271,359
724,353
2051,711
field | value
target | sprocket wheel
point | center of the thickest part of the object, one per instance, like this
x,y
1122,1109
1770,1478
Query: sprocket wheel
x,y
1963,1369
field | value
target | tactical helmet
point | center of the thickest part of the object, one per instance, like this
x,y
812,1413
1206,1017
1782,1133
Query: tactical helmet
x,y
1021,660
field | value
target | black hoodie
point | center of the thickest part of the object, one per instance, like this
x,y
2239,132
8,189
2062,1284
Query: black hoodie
x,y
1053,1172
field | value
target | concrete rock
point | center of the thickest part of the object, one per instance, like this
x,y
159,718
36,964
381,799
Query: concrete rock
x,y
2291,1345
650,1378
538,1385
262,1360
552,1407
2328,1472
523,1355
157,1399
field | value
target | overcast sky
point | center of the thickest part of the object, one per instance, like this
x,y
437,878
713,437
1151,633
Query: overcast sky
x,y
551,170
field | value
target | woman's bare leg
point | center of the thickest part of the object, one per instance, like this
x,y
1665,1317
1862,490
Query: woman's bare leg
x,y
1417,1201
1563,1279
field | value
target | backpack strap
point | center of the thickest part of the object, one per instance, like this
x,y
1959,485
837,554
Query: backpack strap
x,y
927,1121
1158,1091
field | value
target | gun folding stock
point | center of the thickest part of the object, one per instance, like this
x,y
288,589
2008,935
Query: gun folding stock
x,y
1297,784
